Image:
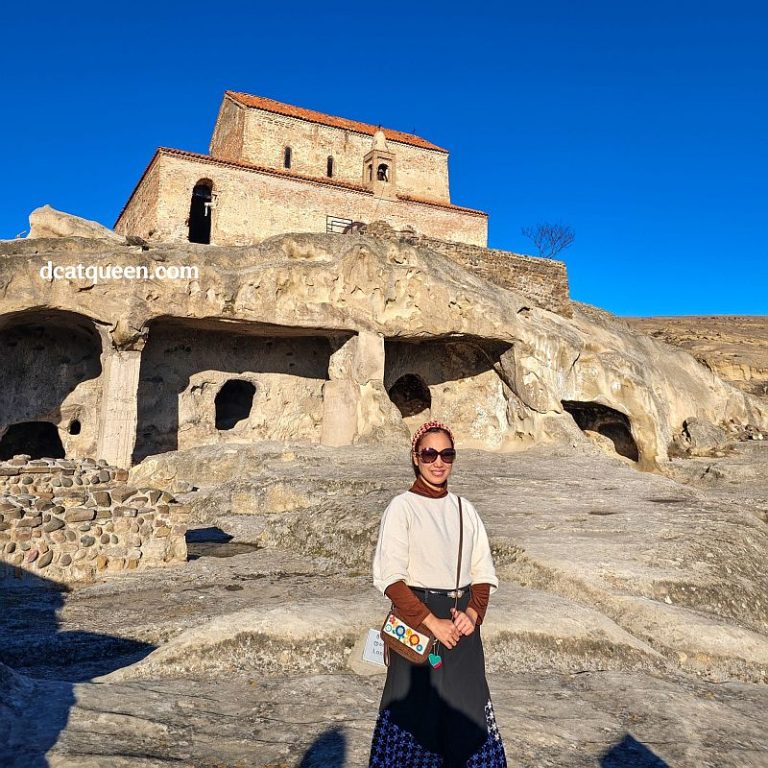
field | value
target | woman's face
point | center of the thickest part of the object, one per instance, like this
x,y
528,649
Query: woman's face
x,y
437,472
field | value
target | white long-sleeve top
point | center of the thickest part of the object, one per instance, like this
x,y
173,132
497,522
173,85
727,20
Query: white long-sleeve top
x,y
419,544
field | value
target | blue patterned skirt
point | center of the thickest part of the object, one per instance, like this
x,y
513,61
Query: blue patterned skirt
x,y
438,718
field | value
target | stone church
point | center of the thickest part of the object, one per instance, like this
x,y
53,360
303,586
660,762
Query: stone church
x,y
274,168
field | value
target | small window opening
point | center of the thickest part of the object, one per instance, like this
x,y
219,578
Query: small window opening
x,y
74,427
382,173
329,167
287,157
233,403
411,395
370,173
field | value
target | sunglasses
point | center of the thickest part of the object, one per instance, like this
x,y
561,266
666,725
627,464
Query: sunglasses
x,y
429,455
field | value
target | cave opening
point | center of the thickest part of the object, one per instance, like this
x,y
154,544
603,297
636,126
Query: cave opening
x,y
411,395
233,403
38,439
606,421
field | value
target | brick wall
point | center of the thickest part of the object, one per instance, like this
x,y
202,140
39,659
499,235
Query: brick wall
x,y
420,172
227,140
253,205
140,214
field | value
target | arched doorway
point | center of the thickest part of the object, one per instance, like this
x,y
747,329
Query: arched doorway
x,y
200,212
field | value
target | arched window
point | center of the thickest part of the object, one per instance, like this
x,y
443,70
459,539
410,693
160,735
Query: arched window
x,y
329,167
287,157
200,212
382,172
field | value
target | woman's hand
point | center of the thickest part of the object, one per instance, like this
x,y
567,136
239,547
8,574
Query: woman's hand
x,y
443,629
463,621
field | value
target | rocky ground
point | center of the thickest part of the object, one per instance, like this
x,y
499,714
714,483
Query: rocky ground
x,y
735,347
630,629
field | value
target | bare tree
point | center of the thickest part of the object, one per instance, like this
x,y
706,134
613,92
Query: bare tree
x,y
550,239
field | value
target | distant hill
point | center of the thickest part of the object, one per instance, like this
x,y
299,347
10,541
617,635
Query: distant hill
x,y
735,347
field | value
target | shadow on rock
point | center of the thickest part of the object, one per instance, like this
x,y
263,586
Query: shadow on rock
x,y
39,666
329,750
630,753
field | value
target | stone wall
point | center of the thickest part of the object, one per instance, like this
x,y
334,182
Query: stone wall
x,y
543,281
421,172
140,214
227,139
252,205
71,520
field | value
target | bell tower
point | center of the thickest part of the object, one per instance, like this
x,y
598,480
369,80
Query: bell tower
x,y
379,171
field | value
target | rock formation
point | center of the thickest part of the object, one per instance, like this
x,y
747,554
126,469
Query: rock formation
x,y
272,395
48,222
735,347
332,339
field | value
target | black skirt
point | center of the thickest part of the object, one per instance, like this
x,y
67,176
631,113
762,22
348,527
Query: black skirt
x,y
438,718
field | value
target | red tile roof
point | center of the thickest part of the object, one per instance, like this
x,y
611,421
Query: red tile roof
x,y
270,105
439,204
284,173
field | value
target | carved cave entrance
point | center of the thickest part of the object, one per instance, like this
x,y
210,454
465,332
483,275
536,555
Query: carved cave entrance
x,y
411,395
452,378
207,382
49,361
606,421
38,439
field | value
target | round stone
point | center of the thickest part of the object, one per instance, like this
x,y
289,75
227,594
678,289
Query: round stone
x,y
45,560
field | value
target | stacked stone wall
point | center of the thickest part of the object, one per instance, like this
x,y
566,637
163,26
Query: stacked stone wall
x,y
72,520
543,281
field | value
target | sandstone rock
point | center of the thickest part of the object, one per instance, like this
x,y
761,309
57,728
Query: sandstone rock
x,y
530,375
79,514
703,437
48,222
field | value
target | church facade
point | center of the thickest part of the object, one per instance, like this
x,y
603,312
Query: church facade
x,y
274,168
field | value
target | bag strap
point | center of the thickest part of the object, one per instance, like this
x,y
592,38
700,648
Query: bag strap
x,y
458,564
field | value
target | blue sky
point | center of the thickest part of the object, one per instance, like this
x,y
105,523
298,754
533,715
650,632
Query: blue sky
x,y
640,125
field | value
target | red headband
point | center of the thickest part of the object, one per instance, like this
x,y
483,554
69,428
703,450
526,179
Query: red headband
x,y
424,428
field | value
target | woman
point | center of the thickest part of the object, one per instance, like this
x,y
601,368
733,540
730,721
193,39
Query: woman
x,y
436,716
